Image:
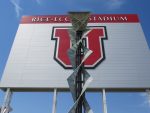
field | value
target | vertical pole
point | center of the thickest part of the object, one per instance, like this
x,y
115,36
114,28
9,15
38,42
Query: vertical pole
x,y
79,23
104,101
79,77
148,94
7,99
54,101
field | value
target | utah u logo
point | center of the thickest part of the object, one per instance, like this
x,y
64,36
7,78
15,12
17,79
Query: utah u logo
x,y
94,41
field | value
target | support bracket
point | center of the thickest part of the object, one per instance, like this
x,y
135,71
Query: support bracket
x,y
7,100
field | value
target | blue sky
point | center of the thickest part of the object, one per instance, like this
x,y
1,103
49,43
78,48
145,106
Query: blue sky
x,y
11,12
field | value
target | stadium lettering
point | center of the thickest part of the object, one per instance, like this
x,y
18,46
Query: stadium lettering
x,y
91,19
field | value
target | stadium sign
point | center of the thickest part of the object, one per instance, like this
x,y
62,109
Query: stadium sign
x,y
38,57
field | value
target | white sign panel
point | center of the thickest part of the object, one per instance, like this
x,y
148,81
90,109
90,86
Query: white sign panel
x,y
38,58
